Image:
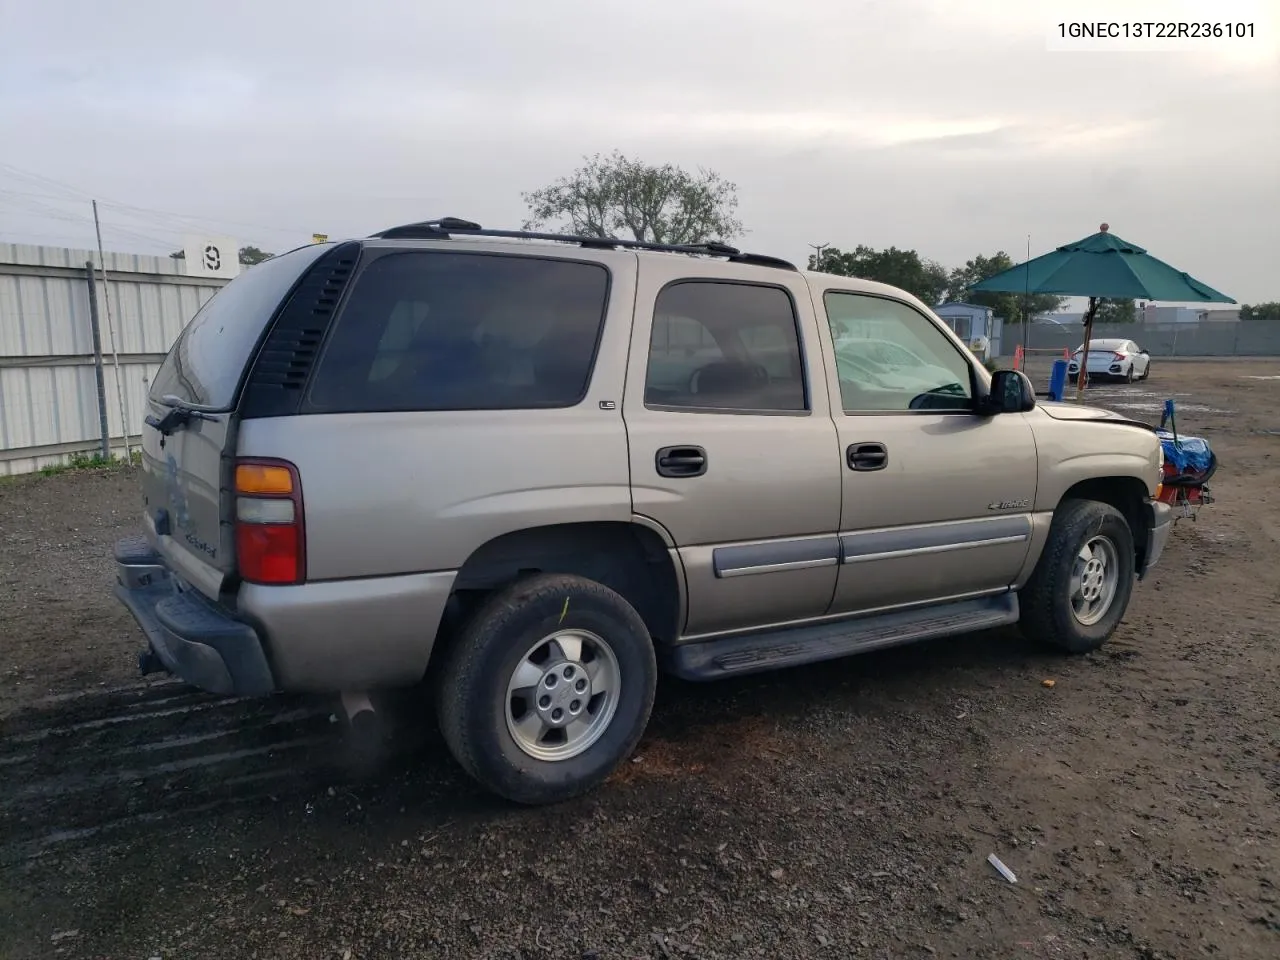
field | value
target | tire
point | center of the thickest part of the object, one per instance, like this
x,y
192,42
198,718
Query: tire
x,y
1048,614
478,713
1147,372
1128,377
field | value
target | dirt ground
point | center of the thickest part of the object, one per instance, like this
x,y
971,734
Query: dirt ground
x,y
845,810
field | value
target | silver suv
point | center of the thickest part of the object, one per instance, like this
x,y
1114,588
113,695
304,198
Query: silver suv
x,y
526,471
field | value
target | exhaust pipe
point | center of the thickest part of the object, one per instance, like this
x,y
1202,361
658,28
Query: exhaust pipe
x,y
355,703
361,716
365,742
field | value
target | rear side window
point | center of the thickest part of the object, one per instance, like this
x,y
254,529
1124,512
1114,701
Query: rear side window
x,y
463,331
209,357
720,346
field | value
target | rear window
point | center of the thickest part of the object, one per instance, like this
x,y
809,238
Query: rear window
x,y
206,362
463,331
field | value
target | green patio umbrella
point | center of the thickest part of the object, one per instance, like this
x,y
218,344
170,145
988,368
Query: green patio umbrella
x,y
1101,266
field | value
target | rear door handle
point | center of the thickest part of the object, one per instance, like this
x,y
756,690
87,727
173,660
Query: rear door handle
x,y
682,461
867,456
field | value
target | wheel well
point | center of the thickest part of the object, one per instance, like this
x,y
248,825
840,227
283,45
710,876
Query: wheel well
x,y
626,557
1126,494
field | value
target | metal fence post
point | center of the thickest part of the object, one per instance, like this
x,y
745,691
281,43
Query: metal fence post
x,y
97,360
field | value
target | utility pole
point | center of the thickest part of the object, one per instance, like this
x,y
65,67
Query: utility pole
x,y
111,335
96,333
817,253
1026,299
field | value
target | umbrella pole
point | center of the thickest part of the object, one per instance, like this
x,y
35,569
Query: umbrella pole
x,y
1088,335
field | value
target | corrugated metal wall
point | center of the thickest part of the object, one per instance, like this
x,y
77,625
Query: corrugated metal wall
x,y
1243,338
48,391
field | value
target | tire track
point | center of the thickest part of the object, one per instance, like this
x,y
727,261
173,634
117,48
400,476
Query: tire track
x,y
76,767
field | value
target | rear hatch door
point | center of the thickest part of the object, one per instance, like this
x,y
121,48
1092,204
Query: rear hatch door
x,y
188,441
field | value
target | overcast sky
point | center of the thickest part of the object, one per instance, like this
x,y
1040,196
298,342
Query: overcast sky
x,y
944,126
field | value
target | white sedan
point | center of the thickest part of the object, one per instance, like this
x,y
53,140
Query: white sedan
x,y
1118,359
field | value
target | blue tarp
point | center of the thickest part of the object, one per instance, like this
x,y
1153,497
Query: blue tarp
x,y
1187,460
1188,456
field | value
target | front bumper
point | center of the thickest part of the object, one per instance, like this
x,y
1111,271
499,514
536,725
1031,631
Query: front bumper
x,y
1161,526
197,640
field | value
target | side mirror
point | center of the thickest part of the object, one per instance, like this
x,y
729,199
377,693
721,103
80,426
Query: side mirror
x,y
1011,392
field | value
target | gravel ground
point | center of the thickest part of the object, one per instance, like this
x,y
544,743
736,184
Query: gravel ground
x,y
843,810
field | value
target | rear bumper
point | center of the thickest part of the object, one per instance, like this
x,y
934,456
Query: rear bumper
x,y
196,640
318,637
1162,518
1100,370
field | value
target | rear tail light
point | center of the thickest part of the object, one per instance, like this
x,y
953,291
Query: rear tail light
x,y
1118,355
269,522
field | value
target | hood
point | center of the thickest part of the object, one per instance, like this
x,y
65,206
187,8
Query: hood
x,y
1075,411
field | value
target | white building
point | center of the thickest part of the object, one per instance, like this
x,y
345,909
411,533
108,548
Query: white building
x,y
975,325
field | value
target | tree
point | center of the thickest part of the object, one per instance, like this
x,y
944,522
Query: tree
x,y
902,268
613,195
251,255
248,256
1116,311
937,279
1006,305
1261,311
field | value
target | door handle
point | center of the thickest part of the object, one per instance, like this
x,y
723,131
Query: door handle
x,y
683,461
867,456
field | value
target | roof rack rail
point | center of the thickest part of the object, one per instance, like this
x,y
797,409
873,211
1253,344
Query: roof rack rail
x,y
446,227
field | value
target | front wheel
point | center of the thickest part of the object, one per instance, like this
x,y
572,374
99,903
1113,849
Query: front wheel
x,y
548,688
1080,588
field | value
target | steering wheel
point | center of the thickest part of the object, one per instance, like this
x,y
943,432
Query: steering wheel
x,y
938,398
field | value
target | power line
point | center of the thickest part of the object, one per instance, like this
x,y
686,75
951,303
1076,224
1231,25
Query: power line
x,y
41,179
155,215
193,218
34,208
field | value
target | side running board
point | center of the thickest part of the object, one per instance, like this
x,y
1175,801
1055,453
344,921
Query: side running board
x,y
793,646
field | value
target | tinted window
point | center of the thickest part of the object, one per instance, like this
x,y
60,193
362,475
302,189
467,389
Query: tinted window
x,y
726,346
463,331
206,362
890,356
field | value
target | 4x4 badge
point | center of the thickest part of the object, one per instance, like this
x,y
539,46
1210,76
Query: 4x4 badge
x,y
1009,505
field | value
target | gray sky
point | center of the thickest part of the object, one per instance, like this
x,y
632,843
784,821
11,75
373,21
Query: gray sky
x,y
944,126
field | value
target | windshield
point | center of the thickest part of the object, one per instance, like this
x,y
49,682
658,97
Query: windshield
x,y
206,363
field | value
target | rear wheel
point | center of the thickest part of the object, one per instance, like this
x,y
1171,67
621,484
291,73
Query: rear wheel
x,y
1080,589
548,688
1128,377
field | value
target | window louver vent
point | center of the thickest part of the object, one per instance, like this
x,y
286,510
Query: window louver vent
x,y
284,362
